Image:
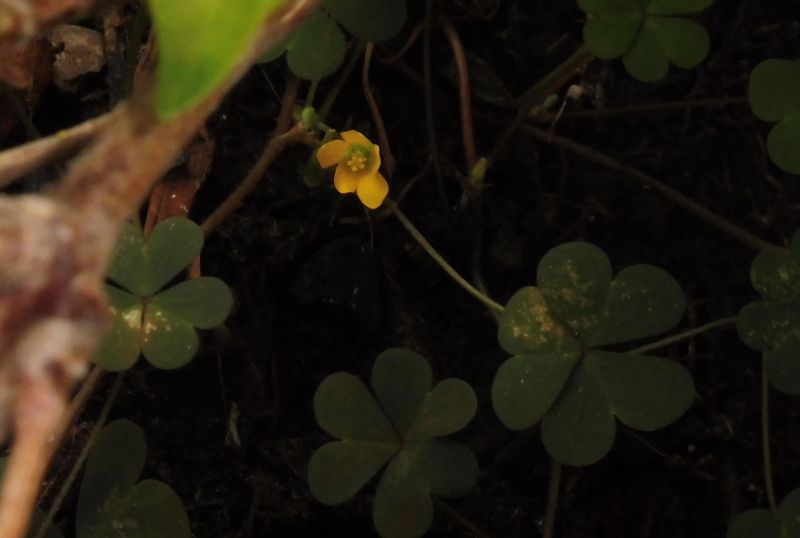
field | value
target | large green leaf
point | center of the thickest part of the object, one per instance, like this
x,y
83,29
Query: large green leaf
x,y
579,429
574,279
643,301
317,49
775,97
526,386
370,20
772,326
199,44
403,430
648,34
559,377
111,502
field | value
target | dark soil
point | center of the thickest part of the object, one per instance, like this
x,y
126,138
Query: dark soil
x,y
294,257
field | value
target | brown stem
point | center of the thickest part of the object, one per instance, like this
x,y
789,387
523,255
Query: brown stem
x,y
412,38
467,129
273,149
671,194
356,49
639,109
383,137
552,500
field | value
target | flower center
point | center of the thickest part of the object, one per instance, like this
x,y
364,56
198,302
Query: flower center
x,y
357,158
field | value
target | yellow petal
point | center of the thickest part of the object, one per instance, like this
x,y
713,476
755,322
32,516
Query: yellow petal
x,y
330,153
372,190
374,160
354,137
344,180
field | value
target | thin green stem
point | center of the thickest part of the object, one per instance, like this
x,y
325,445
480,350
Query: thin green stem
x,y
684,335
356,50
671,194
433,253
765,439
76,467
552,500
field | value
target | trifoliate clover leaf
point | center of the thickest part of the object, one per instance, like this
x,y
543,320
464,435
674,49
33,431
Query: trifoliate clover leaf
x,y
160,325
199,43
775,97
113,503
762,523
403,428
648,34
317,48
557,374
772,325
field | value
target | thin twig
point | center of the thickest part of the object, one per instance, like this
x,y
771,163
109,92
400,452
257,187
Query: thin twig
x,y
433,253
684,335
273,149
765,451
552,500
671,194
16,162
383,137
397,56
467,129
639,109
76,467
77,404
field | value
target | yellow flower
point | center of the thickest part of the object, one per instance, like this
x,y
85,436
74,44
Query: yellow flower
x,y
357,161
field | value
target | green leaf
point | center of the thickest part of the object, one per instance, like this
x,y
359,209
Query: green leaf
x,y
403,430
403,506
370,20
204,302
317,48
526,386
774,90
580,427
199,44
645,393
344,408
782,143
339,469
402,380
762,523
526,326
121,344
557,376
172,245
574,279
775,96
169,341
111,503
773,326
643,301
447,409
143,268
646,34
758,523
